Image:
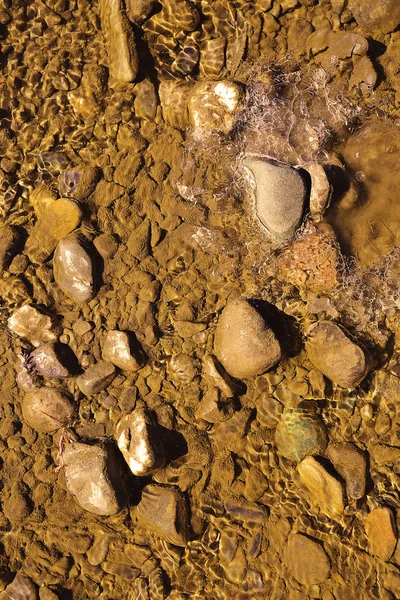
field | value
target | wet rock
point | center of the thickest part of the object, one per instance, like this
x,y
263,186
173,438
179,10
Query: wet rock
x,y
106,245
256,484
217,374
139,241
313,261
321,191
146,100
74,268
176,16
373,17
335,355
47,409
53,360
123,350
139,440
325,490
174,98
244,344
41,197
93,476
120,42
212,57
381,532
280,194
212,409
96,378
350,462
57,221
130,140
31,324
9,241
21,588
306,559
79,183
138,10
164,510
212,106
299,433
364,75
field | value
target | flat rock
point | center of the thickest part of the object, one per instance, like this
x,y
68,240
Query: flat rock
x,y
139,440
335,355
31,324
96,378
120,41
244,344
300,433
382,16
53,360
93,476
306,559
280,194
164,510
325,490
350,462
57,221
381,532
74,268
9,241
47,409
123,350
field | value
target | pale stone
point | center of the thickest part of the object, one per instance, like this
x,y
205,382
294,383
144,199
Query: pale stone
x,y
381,532
280,194
213,104
123,350
139,441
93,476
306,560
47,409
120,41
325,490
29,323
74,269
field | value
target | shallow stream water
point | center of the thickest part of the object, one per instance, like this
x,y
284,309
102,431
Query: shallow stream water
x,y
234,508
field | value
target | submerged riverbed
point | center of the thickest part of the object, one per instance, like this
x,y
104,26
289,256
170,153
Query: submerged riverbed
x,y
199,334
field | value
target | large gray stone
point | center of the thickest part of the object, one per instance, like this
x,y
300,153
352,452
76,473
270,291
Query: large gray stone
x,y
280,194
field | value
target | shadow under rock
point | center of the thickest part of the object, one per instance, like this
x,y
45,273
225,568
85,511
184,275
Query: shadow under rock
x,y
284,326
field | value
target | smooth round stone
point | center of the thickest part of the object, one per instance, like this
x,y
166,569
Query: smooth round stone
x,y
300,433
53,360
306,560
47,409
244,344
93,476
280,194
73,267
336,355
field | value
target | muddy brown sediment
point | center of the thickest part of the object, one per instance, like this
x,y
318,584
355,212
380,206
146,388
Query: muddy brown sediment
x,y
101,140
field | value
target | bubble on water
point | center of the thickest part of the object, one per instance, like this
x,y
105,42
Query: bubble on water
x,y
360,176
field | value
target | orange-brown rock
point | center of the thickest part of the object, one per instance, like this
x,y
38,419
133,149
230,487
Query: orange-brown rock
x,y
244,344
325,490
349,461
336,355
381,533
312,261
306,559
